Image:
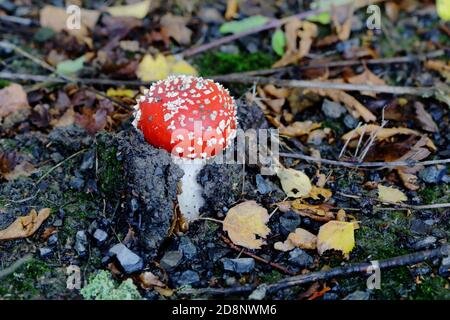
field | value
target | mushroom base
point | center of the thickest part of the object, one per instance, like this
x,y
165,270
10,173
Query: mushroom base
x,y
190,199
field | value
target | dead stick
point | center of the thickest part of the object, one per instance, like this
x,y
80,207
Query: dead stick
x,y
408,259
405,260
363,164
272,264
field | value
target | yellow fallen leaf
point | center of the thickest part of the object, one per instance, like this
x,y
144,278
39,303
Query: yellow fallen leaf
x,y
244,221
232,8
443,9
136,10
160,67
295,183
303,239
299,128
111,92
182,67
390,194
317,191
25,226
336,235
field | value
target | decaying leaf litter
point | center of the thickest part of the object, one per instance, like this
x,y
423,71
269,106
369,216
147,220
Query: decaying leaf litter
x,y
67,143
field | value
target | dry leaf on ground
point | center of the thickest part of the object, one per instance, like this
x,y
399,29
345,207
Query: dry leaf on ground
x,y
149,280
390,194
13,99
367,77
294,183
299,128
384,133
354,107
136,10
319,212
57,18
300,238
244,221
336,235
175,27
160,67
25,226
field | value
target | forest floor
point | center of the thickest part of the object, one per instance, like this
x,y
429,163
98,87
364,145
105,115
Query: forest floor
x,y
77,179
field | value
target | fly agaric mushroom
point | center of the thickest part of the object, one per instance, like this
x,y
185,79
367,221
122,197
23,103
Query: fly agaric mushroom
x,y
192,118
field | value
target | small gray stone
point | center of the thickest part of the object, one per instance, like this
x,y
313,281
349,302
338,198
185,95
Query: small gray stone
x,y
187,248
188,277
259,293
230,281
81,237
419,227
358,295
129,261
425,243
444,269
300,258
332,109
239,265
432,174
53,239
171,259
261,185
350,122
289,221
100,235
58,223
45,252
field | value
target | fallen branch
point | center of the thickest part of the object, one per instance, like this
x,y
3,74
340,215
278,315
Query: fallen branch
x,y
358,268
363,164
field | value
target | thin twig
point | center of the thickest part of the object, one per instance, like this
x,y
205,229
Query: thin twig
x,y
394,60
351,269
16,265
58,165
363,164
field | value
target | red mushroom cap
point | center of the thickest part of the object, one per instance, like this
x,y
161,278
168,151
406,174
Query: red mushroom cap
x,y
188,116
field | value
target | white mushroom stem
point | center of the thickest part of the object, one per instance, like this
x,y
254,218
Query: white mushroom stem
x,y
190,199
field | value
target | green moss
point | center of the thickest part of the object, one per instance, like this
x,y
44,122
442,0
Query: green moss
x,y
435,194
271,277
110,171
216,63
381,238
23,283
4,83
432,288
102,287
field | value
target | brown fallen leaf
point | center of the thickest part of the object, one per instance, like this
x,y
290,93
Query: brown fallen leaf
x,y
175,27
13,167
295,50
319,212
299,128
244,221
384,133
426,121
13,99
367,77
25,226
439,66
149,280
342,17
354,107
56,19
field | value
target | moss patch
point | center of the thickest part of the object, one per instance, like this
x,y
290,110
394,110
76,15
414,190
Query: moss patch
x,y
216,63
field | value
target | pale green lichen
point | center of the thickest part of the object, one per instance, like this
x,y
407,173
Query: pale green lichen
x,y
102,287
